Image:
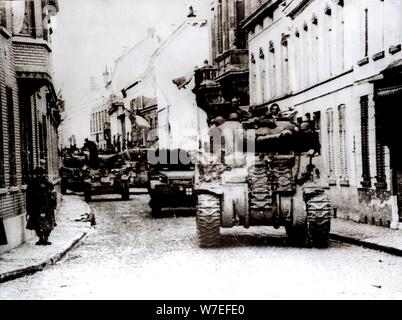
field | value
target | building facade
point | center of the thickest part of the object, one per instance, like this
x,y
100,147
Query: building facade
x,y
338,63
225,77
30,108
100,126
181,123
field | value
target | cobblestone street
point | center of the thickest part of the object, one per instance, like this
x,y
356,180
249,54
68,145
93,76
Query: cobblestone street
x,y
130,255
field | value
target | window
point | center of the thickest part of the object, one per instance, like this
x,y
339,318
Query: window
x,y
365,142
262,85
219,29
366,32
340,37
11,137
306,55
315,47
343,144
316,122
331,152
328,40
272,70
285,65
28,24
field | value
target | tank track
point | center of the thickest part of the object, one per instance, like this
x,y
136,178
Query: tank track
x,y
318,221
208,220
260,188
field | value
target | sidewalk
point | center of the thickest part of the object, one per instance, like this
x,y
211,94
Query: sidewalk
x,y
372,237
29,258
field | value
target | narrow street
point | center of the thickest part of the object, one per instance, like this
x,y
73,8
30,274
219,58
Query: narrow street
x,y
130,255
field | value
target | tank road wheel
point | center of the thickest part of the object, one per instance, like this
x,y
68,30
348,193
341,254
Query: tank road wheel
x,y
208,220
318,221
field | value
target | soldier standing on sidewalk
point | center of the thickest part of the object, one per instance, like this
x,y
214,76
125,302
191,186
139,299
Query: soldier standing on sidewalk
x,y
41,203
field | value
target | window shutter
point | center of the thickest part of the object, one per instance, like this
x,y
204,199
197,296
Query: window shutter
x,y
331,153
365,142
343,145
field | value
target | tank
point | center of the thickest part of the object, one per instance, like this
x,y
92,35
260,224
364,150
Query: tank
x,y
265,169
71,172
111,176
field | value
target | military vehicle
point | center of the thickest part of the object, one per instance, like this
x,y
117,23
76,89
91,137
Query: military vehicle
x,y
71,173
111,177
171,182
138,175
268,171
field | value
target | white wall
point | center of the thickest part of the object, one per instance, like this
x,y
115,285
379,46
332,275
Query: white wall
x,y
185,50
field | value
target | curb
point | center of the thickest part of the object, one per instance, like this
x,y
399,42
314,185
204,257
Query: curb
x,y
366,244
11,275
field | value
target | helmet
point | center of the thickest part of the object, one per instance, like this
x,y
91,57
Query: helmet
x,y
233,116
219,120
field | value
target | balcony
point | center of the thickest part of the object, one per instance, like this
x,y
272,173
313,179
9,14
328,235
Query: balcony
x,y
232,61
32,58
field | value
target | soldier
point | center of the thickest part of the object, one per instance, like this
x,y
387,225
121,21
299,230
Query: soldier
x,y
41,203
275,111
93,153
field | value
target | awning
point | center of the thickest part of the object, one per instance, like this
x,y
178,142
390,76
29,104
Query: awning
x,y
389,91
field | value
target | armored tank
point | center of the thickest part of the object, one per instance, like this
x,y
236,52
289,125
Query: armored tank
x,y
71,172
110,177
265,170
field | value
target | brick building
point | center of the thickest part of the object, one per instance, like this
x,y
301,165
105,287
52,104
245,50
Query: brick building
x,y
29,105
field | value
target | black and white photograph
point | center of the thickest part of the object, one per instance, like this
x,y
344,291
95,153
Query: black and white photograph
x,y
200,150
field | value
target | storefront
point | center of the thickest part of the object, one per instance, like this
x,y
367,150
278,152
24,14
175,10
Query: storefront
x,y
388,108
